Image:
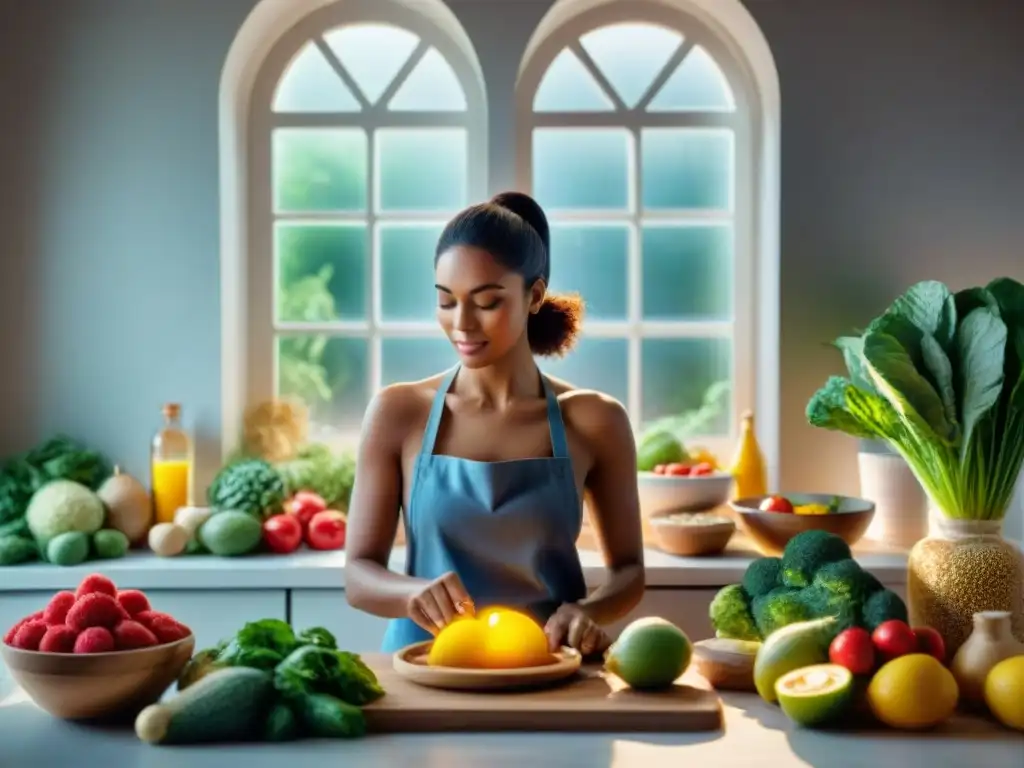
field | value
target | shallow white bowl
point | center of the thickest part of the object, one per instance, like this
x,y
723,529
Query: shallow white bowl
x,y
664,494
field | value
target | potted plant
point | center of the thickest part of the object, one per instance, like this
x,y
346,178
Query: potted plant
x,y
939,376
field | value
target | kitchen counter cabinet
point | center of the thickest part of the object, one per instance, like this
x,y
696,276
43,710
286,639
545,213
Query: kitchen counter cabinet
x,y
755,734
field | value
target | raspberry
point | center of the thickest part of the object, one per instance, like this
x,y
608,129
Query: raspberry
x,y
94,640
167,630
9,636
56,611
95,610
29,634
133,601
59,638
129,635
96,582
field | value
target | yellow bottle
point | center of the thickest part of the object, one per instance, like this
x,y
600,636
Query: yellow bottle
x,y
748,468
171,466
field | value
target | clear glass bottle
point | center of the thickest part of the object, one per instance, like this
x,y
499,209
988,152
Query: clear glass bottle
x,y
171,459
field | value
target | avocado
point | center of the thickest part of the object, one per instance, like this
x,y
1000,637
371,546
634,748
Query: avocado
x,y
70,548
231,533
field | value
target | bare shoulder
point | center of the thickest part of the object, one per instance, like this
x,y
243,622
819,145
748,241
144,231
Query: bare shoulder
x,y
398,408
597,416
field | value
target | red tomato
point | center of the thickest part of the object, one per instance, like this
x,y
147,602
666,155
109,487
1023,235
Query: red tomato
x,y
852,648
677,470
304,505
930,641
777,504
326,530
894,638
702,469
282,533
660,469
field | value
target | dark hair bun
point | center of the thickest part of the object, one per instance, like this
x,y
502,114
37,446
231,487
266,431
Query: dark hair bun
x,y
527,209
554,329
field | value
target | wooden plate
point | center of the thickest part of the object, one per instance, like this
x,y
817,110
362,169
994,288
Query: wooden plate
x,y
411,663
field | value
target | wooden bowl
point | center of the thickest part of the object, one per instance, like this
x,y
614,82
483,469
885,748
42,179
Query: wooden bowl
x,y
411,662
663,494
97,685
771,531
692,540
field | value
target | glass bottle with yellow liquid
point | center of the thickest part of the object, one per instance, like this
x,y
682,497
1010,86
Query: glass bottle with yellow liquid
x,y
171,460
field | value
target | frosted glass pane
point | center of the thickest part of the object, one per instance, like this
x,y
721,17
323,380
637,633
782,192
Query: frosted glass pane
x,y
321,272
432,86
567,86
583,168
697,84
372,54
328,374
592,259
677,373
309,84
319,169
407,271
421,169
415,359
631,55
593,364
687,272
687,168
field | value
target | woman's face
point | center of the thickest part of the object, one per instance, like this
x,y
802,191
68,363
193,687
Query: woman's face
x,y
482,306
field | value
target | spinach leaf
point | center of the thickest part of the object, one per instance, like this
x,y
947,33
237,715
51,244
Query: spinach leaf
x,y
317,636
931,307
1009,294
312,669
970,299
900,382
235,654
828,409
981,342
852,348
272,634
937,362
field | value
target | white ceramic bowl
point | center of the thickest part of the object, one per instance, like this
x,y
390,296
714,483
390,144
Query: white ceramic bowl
x,y
664,494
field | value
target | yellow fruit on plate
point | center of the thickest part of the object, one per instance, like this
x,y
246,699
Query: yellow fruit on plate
x,y
1004,692
913,692
460,644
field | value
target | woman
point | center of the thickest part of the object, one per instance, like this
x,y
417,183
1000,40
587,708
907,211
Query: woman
x,y
490,460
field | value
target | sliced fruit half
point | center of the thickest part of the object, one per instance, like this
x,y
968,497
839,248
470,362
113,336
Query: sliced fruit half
x,y
815,695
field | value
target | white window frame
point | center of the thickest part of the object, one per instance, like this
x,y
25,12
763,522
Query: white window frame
x,y
753,327
259,330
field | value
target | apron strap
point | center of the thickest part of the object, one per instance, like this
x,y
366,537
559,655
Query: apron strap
x,y
559,443
436,412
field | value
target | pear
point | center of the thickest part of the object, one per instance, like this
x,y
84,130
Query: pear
x,y
128,504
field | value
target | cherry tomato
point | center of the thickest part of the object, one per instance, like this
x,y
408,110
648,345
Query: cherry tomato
x,y
304,505
702,469
660,469
777,504
677,470
326,530
282,533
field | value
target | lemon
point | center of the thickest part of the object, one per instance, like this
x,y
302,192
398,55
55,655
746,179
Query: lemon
x,y
460,644
1004,692
913,692
513,640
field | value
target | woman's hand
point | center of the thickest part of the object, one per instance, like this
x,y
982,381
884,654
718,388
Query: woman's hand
x,y
570,625
440,602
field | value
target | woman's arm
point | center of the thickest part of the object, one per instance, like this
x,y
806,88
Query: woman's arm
x,y
374,509
614,502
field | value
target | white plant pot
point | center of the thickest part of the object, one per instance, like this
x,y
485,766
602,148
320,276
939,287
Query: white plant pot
x,y
901,505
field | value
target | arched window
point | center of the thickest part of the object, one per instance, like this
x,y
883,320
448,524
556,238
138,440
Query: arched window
x,y
366,131
644,133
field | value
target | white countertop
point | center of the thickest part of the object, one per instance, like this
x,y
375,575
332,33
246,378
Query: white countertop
x,y
326,570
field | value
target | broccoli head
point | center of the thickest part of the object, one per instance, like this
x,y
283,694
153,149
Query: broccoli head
x,y
730,614
779,608
762,576
807,552
847,579
822,602
881,606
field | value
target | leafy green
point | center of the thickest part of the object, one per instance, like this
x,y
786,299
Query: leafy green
x,y
313,669
940,378
318,469
317,636
252,486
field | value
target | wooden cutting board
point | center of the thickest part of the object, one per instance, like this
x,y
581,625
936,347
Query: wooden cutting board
x,y
590,701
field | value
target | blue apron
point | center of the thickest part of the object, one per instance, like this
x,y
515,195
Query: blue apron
x,y
507,528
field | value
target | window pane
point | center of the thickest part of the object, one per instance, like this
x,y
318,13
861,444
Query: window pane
x,y
372,54
677,376
584,168
687,272
593,364
421,169
568,86
432,86
328,374
415,359
407,271
631,55
321,272
592,259
319,169
697,85
310,84
687,168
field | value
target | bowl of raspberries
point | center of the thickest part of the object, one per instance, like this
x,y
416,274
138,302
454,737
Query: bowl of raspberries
x,y
97,652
